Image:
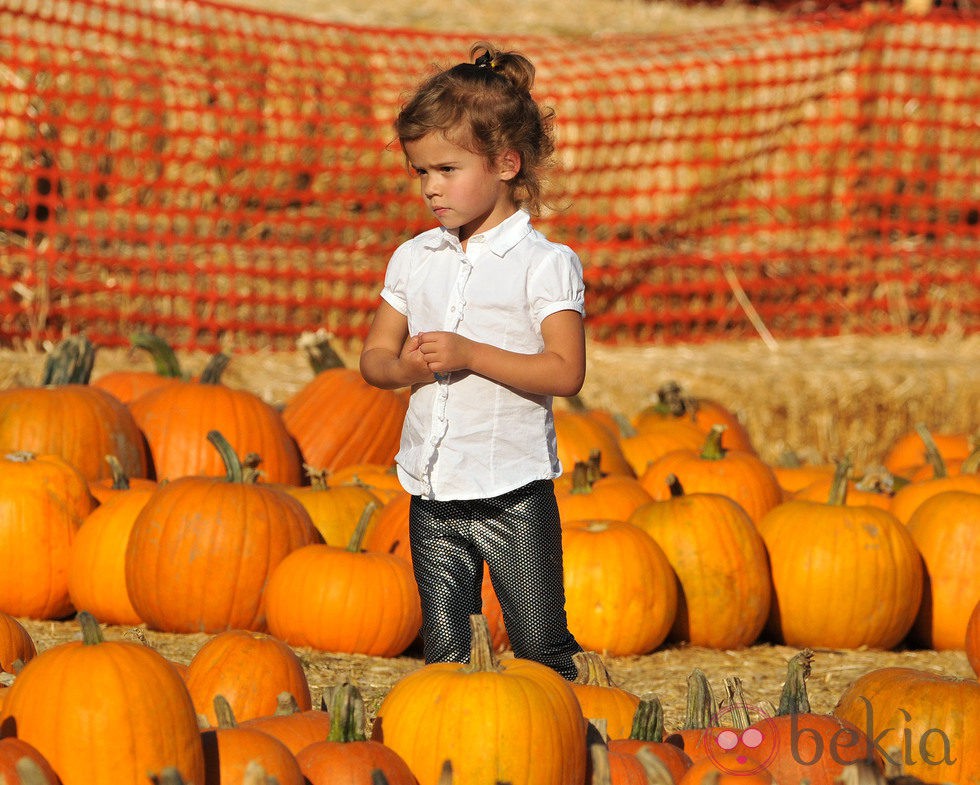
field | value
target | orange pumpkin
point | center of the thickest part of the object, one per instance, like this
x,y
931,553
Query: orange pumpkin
x,y
674,405
658,438
580,435
919,720
334,509
16,644
647,733
379,478
229,748
600,698
249,670
908,498
344,599
13,752
700,717
338,419
127,385
590,496
739,475
946,530
176,419
832,565
68,417
721,564
727,768
119,701
43,501
119,482
521,716
97,568
295,727
202,549
347,756
620,590
972,643
921,447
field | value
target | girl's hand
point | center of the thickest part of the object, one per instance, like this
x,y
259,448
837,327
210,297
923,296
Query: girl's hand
x,y
413,361
443,352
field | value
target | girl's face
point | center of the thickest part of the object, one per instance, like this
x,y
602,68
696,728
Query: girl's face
x,y
463,189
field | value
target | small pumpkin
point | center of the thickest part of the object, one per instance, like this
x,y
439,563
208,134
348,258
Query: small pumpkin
x,y
229,748
589,495
921,446
347,756
293,726
344,599
128,384
249,670
15,756
599,697
334,509
647,733
580,435
16,644
520,716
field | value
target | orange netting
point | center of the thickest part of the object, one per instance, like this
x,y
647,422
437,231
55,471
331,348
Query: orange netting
x,y
214,174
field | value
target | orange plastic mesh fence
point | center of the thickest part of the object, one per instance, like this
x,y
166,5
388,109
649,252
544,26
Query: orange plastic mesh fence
x,y
217,175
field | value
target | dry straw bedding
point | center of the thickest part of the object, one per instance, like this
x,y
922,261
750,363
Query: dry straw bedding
x,y
817,397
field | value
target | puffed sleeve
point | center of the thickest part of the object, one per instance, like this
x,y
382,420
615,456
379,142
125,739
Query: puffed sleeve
x,y
557,284
396,278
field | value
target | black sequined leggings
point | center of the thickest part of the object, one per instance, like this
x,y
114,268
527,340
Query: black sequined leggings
x,y
518,535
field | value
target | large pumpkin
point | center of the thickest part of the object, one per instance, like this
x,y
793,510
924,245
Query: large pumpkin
x,y
509,720
68,417
842,576
176,419
202,549
117,703
926,723
43,501
719,557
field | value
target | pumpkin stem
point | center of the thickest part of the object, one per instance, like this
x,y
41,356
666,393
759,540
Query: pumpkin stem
x,y
712,450
838,486
861,772
657,773
378,777
120,480
671,400
626,429
734,704
234,471
286,704
701,708
482,658
319,352
215,368
971,464
595,464
648,720
598,752
164,360
590,669
317,477
877,479
933,456
354,546
676,489
20,456
794,698
446,773
28,773
70,362
582,477
347,716
224,713
91,631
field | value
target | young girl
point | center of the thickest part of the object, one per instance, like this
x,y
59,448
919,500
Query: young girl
x,y
482,316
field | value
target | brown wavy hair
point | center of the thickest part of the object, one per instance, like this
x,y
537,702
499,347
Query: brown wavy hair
x,y
486,107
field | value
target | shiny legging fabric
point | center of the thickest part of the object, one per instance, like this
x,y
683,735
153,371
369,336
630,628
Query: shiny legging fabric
x,y
518,535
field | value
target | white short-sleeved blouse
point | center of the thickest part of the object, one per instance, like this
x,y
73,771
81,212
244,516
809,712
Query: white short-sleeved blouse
x,y
466,437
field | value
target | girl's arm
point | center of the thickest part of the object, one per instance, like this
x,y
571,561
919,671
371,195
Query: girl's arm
x,y
557,370
390,358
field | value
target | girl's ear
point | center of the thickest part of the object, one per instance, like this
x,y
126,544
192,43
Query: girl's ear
x,y
509,165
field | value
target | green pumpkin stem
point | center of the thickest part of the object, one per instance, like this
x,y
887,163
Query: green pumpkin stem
x,y
215,368
734,705
223,712
234,470
378,777
348,720
120,480
626,429
482,658
582,477
165,361
91,631
838,486
648,720
701,708
933,456
712,449
70,362
590,669
794,698
357,538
